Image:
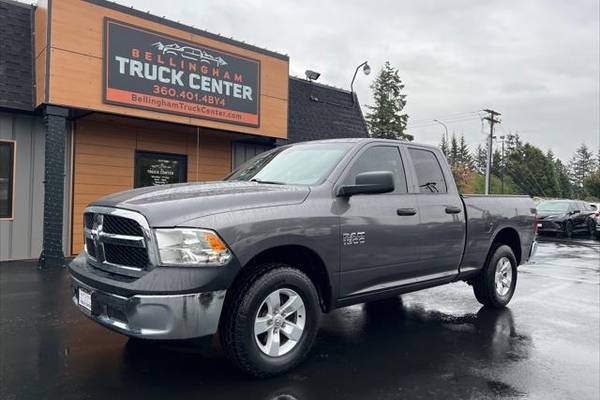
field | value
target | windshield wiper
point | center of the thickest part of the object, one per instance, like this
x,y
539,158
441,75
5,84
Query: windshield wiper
x,y
267,182
432,186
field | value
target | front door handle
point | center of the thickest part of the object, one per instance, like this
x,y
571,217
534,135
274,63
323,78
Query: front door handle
x,y
406,211
453,210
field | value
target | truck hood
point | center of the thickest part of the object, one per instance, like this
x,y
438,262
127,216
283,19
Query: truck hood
x,y
173,205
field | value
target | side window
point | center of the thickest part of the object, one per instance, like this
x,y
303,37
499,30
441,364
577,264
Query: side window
x,y
380,158
7,178
429,172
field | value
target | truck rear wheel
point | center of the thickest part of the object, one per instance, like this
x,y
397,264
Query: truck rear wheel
x,y
271,322
495,285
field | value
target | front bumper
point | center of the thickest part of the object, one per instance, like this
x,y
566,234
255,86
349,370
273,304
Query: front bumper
x,y
550,226
181,316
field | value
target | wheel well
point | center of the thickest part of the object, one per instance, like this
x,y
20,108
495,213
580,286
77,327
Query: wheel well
x,y
510,237
300,257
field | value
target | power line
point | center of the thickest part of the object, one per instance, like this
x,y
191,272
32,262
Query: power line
x,y
444,117
433,123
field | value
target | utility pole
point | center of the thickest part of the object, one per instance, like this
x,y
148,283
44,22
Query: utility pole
x,y
503,164
491,118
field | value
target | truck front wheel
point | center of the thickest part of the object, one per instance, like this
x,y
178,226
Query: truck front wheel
x,y
270,323
495,285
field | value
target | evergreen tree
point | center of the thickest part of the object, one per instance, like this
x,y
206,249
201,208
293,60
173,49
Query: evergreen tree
x,y
513,143
562,176
592,185
480,159
453,158
464,153
386,119
528,167
581,165
497,163
444,146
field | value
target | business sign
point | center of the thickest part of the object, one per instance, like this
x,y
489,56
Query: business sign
x,y
152,71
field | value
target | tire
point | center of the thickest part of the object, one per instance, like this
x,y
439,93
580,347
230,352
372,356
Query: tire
x,y
568,229
591,225
484,285
254,300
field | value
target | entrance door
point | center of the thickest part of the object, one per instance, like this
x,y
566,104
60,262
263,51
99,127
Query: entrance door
x,y
153,169
379,246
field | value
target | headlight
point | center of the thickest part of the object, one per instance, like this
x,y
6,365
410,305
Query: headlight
x,y
191,247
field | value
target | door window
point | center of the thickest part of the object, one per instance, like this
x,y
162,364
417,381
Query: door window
x,y
429,171
153,169
380,158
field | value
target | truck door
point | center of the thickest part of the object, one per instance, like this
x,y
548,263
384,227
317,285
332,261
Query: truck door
x,y
380,247
442,218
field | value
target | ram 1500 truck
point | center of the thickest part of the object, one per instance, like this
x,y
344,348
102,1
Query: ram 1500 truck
x,y
299,230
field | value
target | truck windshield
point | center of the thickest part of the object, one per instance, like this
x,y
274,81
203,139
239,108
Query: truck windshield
x,y
302,164
553,206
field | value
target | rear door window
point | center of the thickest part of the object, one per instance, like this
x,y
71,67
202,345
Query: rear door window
x,y
430,177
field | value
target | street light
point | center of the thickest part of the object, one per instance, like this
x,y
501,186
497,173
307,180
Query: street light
x,y
312,75
445,127
366,71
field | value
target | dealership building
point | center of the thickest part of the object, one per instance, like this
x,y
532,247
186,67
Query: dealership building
x,y
96,98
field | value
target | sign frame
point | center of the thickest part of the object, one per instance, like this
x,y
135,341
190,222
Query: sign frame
x,y
105,78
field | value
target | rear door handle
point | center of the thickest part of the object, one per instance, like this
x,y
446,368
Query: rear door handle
x,y
453,210
406,211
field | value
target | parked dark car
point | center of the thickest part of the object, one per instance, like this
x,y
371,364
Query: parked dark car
x,y
565,217
296,231
596,209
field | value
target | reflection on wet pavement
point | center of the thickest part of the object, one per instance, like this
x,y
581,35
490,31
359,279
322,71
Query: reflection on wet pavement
x,y
437,343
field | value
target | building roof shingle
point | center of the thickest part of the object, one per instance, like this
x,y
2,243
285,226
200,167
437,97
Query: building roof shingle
x,y
318,111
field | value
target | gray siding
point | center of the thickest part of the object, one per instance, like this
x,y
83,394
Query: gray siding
x,y
21,238
242,152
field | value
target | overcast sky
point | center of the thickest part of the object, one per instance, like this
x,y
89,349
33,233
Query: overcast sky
x,y
536,61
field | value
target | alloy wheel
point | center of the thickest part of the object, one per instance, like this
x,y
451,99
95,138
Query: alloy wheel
x,y
279,322
503,276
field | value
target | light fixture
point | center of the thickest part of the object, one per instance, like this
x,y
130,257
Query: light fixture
x,y
366,71
312,75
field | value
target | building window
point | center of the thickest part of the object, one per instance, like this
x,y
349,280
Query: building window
x,y
7,178
153,169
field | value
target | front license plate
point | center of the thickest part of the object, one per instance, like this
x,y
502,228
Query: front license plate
x,y
85,299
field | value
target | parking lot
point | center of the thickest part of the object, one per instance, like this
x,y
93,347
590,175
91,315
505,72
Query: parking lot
x,y
437,343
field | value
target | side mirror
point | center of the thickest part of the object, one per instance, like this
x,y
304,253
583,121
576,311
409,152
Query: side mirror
x,y
369,183
575,212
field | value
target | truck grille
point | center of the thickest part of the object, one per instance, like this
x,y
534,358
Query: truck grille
x,y
121,226
123,255
115,241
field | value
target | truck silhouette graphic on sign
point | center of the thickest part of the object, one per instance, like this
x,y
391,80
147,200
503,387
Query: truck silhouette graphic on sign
x,y
191,53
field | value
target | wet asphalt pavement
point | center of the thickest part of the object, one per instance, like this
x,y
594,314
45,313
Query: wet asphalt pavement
x,y
438,343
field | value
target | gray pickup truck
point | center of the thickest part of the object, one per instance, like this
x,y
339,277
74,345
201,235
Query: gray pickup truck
x,y
299,230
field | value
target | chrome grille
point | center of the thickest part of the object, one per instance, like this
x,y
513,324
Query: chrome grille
x,y
121,226
117,241
123,255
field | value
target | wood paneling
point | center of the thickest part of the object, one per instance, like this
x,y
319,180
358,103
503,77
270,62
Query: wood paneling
x,y
39,52
104,150
76,68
